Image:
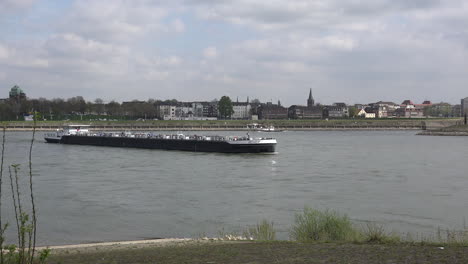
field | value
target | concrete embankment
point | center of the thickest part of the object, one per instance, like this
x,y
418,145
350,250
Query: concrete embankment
x,y
442,133
234,125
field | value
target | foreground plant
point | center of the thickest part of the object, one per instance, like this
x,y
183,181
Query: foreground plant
x,y
26,223
263,231
375,233
327,225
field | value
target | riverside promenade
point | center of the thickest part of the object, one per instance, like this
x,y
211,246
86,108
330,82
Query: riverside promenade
x,y
241,125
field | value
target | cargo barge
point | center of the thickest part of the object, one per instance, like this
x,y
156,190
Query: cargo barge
x,y
80,135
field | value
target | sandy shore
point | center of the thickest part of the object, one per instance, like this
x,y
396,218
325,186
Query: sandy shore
x,y
91,247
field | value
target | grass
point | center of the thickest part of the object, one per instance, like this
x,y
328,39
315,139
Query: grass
x,y
326,225
263,231
375,233
348,121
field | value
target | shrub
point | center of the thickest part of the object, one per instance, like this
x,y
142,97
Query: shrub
x,y
263,231
375,233
327,225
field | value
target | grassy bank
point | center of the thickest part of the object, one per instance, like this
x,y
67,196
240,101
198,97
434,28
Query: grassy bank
x,y
242,124
319,236
267,252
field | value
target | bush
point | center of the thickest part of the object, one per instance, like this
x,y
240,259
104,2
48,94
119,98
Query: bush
x,y
263,231
316,225
374,233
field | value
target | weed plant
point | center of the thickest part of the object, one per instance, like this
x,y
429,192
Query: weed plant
x,y
376,233
326,225
24,251
263,231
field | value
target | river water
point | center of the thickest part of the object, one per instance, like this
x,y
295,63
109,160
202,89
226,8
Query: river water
x,y
87,194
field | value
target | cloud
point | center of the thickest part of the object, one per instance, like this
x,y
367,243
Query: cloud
x,y
275,14
14,5
210,52
10,56
115,20
4,53
347,50
178,26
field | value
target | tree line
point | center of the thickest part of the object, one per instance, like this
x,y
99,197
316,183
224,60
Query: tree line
x,y
77,108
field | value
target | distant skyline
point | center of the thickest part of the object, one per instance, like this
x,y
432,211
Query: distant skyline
x,y
345,50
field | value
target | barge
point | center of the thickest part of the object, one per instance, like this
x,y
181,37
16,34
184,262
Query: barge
x,y
80,135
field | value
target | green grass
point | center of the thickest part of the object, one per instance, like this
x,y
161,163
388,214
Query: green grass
x,y
319,123
263,231
376,233
326,225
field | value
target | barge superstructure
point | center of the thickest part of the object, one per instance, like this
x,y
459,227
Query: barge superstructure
x,y
80,135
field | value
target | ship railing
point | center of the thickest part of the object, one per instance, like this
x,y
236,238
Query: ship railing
x,y
158,136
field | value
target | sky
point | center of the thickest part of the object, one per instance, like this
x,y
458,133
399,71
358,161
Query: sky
x,y
353,51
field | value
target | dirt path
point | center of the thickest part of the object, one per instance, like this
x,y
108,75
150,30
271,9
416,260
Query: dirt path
x,y
230,252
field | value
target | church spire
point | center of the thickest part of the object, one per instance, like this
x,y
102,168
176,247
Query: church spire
x,y
310,101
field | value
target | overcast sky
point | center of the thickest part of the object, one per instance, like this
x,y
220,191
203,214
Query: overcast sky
x,y
356,51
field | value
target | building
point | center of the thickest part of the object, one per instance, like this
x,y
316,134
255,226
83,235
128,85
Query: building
x,y
383,109
166,112
362,113
409,111
456,111
337,110
464,106
304,112
187,111
210,110
16,94
311,111
241,110
184,110
272,111
310,100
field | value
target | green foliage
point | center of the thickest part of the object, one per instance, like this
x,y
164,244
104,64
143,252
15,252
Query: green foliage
x,y
263,231
352,110
326,225
43,255
375,233
225,107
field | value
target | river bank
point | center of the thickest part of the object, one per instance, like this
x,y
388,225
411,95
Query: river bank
x,y
457,130
241,125
199,251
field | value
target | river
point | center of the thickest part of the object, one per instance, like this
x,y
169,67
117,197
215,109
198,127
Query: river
x,y
88,194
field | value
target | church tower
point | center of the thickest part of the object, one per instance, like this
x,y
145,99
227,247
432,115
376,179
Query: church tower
x,y
310,101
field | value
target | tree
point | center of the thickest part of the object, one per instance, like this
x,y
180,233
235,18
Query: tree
x,y
113,108
76,104
99,106
225,107
352,110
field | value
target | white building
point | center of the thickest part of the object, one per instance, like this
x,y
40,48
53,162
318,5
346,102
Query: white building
x,y
241,110
166,112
